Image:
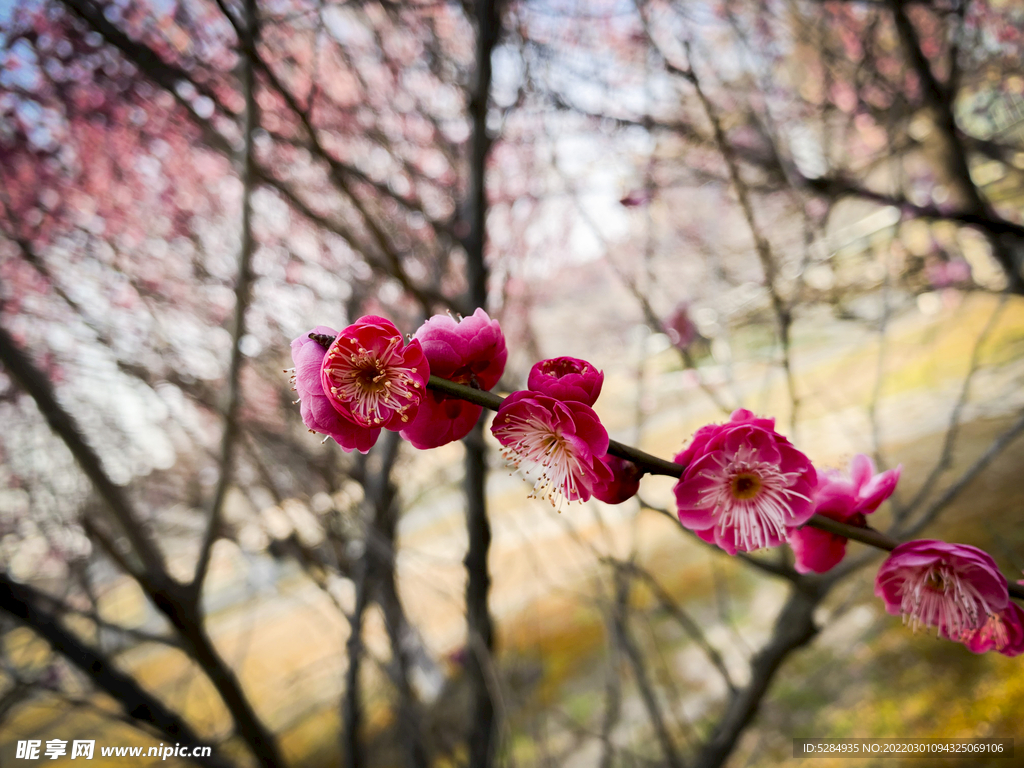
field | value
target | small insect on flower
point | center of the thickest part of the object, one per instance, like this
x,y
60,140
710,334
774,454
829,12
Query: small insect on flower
x,y
562,443
953,587
372,377
745,486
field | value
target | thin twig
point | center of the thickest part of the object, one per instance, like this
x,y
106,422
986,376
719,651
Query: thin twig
x,y
952,431
243,295
643,683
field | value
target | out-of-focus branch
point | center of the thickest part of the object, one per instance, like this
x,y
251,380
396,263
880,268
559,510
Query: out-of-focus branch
x,y
167,595
154,66
380,555
838,187
625,640
38,612
769,265
952,431
243,295
483,736
35,383
1001,443
794,627
939,97
613,683
351,708
167,75
676,611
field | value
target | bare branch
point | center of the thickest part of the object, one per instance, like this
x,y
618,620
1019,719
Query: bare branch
x,y
636,661
243,295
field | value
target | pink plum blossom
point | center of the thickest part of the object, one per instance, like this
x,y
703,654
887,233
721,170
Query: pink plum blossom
x,y
846,499
562,442
744,485
470,351
953,587
623,483
566,378
371,377
317,412
1002,632
680,328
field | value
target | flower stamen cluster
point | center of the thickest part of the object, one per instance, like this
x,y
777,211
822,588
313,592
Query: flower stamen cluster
x,y
952,587
561,443
375,385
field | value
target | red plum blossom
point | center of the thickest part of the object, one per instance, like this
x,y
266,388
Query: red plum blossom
x,y
469,351
846,499
623,483
371,377
562,442
953,587
1002,632
567,378
745,485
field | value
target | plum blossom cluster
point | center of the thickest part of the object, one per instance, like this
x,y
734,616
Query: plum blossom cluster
x,y
742,486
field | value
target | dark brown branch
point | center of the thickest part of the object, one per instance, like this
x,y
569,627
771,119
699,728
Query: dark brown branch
x,y
40,612
838,187
38,387
794,627
243,295
483,736
654,466
939,98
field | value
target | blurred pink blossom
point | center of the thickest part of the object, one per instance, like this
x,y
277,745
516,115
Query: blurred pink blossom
x,y
680,328
942,274
846,499
561,441
1002,632
744,485
469,351
567,378
635,198
936,584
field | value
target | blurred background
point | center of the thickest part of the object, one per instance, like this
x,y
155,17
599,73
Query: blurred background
x,y
809,208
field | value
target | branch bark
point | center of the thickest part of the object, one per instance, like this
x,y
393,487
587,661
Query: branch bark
x,y
484,730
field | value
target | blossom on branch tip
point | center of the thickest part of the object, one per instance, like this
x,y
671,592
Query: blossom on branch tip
x,y
846,499
561,443
372,378
565,379
952,587
745,485
469,351
623,483
1002,632
317,412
